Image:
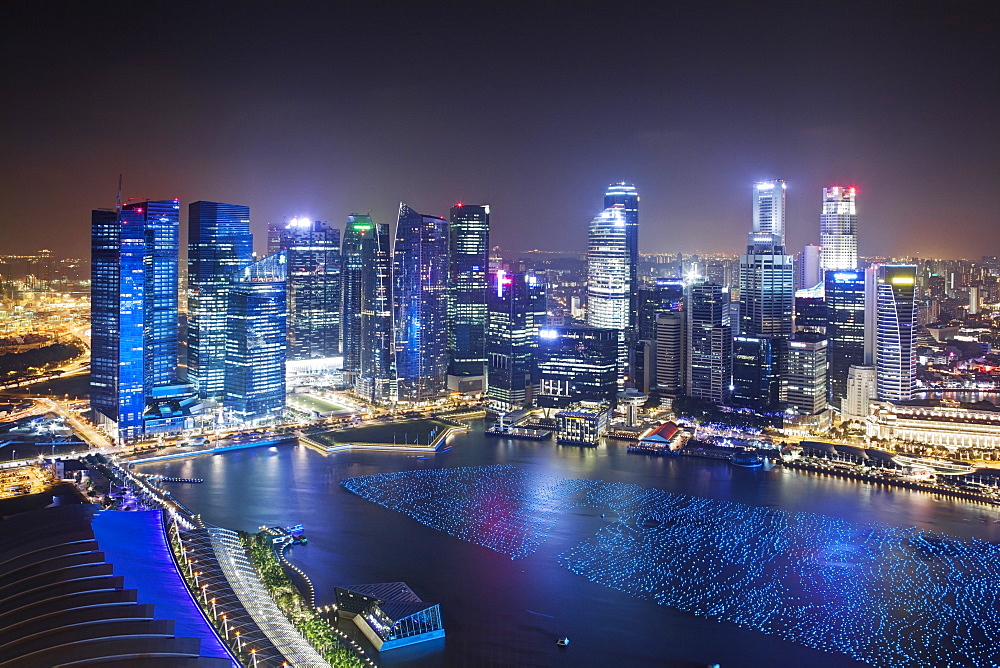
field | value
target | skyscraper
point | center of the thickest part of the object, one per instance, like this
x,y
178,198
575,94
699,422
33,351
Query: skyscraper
x,y
517,312
845,328
766,272
755,380
895,331
256,331
710,342
468,252
356,254
219,245
671,349
625,196
420,305
134,325
376,381
803,378
314,305
609,289
769,210
576,364
811,269
838,229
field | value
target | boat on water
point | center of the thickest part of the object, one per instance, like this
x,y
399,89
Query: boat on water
x,y
563,642
747,460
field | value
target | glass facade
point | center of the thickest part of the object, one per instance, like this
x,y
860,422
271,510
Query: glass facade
x,y
468,252
624,195
577,364
314,285
420,305
895,331
219,245
845,328
670,350
377,379
517,313
709,342
256,333
755,381
609,287
838,229
803,379
665,295
134,315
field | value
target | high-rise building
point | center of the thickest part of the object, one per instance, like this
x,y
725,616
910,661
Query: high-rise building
x,y
709,342
670,348
811,270
134,314
769,210
420,305
219,245
664,295
314,284
810,309
862,387
256,333
609,290
375,379
468,252
803,375
838,229
755,380
845,328
576,364
895,331
356,254
625,196
517,313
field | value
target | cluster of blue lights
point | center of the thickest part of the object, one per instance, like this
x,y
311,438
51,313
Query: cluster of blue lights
x,y
884,595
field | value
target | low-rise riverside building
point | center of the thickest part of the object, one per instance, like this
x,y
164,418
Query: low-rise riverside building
x,y
948,427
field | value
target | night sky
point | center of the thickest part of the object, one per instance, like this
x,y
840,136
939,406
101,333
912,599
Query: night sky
x,y
317,109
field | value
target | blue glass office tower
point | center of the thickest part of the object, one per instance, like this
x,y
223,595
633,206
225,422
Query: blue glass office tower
x,y
420,305
355,254
314,285
468,250
895,326
709,342
845,328
625,196
134,324
256,331
577,364
219,245
517,312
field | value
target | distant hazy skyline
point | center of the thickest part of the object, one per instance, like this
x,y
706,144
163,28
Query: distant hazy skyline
x,y
319,109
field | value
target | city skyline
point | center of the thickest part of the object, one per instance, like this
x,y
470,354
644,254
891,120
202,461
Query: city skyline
x,y
264,114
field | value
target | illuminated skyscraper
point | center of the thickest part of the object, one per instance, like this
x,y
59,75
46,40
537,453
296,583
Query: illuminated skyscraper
x,y
516,314
609,286
356,254
256,331
468,251
755,380
625,196
766,273
420,305
838,229
314,284
803,377
845,327
377,379
895,331
219,245
576,364
769,210
671,352
134,325
710,342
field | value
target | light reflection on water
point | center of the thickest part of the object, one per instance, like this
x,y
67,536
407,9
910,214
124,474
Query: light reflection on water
x,y
486,597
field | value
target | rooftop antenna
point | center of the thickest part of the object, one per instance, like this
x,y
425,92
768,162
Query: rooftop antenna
x,y
118,202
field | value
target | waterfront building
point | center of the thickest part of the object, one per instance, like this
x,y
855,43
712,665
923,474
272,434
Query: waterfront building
x,y
575,364
369,348
256,334
862,388
625,196
516,314
755,381
810,268
947,427
838,229
803,374
134,314
670,347
894,324
845,328
468,255
420,305
609,288
709,342
314,284
219,245
582,423
389,614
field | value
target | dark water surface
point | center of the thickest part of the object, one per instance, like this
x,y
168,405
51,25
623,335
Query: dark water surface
x,y
503,612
